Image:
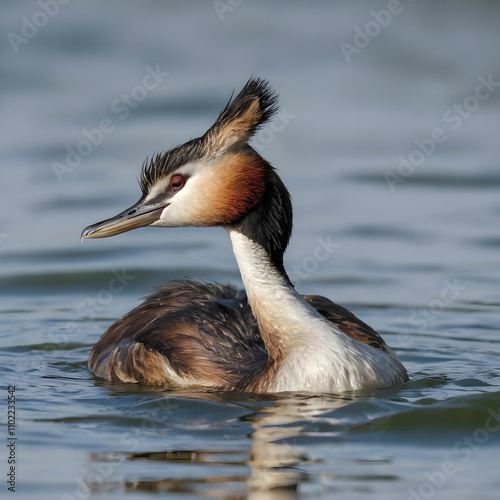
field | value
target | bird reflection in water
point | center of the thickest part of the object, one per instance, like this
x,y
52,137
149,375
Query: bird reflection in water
x,y
269,470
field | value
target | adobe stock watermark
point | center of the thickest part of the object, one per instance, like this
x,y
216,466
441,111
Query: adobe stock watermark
x,y
31,25
266,135
364,35
101,470
85,310
426,316
323,250
223,7
463,450
453,118
121,107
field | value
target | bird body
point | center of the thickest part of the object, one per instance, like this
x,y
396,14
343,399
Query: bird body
x,y
265,339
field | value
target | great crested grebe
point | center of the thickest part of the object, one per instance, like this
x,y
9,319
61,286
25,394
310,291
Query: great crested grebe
x,y
268,338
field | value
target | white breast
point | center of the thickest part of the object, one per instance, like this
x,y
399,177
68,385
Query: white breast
x,y
318,356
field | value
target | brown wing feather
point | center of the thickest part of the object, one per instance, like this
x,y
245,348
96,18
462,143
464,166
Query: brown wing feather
x,y
347,321
202,332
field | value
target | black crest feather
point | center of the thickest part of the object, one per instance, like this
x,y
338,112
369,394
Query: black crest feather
x,y
254,106
162,164
254,89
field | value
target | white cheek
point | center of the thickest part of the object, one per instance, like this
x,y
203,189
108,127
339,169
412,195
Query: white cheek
x,y
186,204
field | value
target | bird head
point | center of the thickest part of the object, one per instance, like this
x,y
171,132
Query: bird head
x,y
213,180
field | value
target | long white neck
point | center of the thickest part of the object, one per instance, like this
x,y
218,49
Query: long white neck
x,y
282,314
309,353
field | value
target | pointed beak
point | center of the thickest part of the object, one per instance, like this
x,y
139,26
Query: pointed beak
x,y
139,215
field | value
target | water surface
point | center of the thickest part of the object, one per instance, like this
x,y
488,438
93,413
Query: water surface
x,y
417,259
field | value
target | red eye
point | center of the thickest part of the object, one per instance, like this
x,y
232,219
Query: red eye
x,y
177,182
